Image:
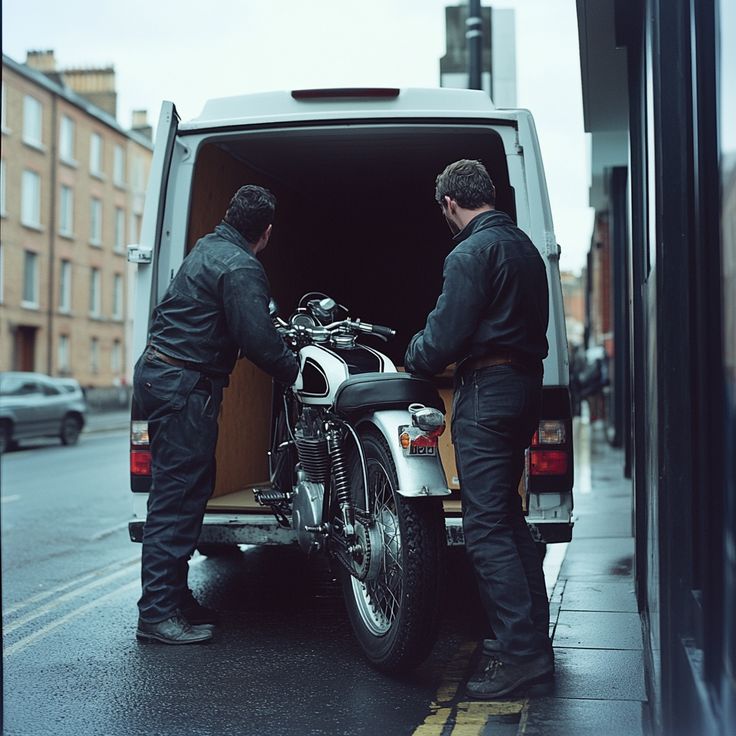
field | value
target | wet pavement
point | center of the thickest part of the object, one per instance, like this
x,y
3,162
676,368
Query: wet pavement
x,y
284,660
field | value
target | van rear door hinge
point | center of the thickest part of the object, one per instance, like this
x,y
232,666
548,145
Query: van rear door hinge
x,y
551,247
140,253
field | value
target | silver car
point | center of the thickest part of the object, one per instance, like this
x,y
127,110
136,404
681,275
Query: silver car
x,y
35,405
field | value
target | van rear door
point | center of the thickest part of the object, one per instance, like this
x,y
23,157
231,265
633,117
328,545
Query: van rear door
x,y
144,252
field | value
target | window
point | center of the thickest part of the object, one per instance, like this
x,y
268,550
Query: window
x,y
117,296
67,134
66,211
116,357
65,287
2,189
3,112
95,155
63,354
95,221
94,293
94,355
118,167
32,122
30,200
30,279
119,229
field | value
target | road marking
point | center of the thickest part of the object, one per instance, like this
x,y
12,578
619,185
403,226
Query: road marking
x,y
70,583
46,630
43,610
107,532
471,717
440,709
9,499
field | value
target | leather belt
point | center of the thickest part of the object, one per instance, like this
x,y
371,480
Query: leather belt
x,y
500,357
176,362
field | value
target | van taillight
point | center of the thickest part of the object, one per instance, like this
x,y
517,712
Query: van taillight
x,y
140,462
549,453
140,452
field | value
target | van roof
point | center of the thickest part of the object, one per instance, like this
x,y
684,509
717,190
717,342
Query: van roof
x,y
338,104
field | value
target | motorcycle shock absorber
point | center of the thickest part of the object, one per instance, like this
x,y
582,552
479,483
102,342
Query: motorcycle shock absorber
x,y
340,478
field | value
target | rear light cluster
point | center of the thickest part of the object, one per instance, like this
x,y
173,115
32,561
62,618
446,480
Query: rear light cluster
x,y
140,449
549,452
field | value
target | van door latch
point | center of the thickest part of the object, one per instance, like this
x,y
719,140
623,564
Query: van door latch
x,y
140,253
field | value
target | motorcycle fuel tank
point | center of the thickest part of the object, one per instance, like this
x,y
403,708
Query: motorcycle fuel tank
x,y
323,369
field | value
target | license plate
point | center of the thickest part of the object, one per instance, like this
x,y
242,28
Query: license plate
x,y
422,450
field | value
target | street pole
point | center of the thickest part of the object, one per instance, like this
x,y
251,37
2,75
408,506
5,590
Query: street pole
x,y
474,37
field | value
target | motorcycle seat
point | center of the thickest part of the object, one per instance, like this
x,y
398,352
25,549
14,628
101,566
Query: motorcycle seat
x,y
385,391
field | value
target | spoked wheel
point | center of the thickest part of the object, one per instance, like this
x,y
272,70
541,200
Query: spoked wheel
x,y
394,609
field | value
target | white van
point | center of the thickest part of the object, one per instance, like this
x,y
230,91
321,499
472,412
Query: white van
x,y
353,171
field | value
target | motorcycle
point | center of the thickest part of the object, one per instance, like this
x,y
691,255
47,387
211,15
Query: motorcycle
x,y
356,472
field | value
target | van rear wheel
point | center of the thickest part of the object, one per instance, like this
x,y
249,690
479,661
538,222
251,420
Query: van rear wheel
x,y
395,611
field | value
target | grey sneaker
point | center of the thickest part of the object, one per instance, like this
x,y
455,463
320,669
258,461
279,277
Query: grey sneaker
x,y
499,678
173,630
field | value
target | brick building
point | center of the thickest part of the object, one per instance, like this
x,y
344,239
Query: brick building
x,y
72,185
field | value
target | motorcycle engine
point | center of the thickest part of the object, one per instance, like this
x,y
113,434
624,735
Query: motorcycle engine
x,y
306,509
311,444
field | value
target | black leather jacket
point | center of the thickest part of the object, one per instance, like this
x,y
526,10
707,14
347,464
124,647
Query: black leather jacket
x,y
494,298
217,306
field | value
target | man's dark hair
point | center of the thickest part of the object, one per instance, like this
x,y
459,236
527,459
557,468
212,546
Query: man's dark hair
x,y
251,211
468,183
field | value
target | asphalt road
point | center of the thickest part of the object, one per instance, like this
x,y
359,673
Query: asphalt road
x,y
284,660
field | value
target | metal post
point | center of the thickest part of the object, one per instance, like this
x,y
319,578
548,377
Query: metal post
x,y
474,37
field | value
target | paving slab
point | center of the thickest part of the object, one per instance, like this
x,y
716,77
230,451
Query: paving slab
x,y
598,630
581,595
563,717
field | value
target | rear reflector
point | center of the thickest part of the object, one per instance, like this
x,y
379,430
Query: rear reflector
x,y
140,462
550,432
548,462
316,94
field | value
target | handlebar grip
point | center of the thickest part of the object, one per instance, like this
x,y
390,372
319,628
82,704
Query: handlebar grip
x,y
383,331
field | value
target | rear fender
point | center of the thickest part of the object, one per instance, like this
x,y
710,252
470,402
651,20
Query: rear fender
x,y
418,476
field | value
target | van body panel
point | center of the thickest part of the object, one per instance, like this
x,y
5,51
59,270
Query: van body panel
x,y
374,156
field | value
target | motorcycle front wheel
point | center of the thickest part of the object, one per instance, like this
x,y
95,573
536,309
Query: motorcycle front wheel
x,y
395,612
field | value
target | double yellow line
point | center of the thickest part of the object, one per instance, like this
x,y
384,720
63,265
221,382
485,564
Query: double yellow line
x,y
449,715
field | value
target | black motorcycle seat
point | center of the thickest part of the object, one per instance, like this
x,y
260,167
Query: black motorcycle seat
x,y
385,391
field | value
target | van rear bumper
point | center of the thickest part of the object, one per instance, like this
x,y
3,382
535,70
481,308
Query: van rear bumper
x,y
264,529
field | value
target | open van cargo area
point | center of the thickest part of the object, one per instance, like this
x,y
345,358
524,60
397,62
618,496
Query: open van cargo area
x,y
356,219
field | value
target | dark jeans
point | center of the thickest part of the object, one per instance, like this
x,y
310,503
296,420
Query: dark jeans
x,y
495,413
182,410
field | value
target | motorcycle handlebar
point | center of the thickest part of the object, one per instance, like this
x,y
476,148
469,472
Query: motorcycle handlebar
x,y
381,330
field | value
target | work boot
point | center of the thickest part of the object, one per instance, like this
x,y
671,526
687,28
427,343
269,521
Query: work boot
x,y
499,677
173,630
494,648
194,612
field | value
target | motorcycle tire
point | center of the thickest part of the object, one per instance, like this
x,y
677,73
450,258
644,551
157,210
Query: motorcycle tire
x,y
395,616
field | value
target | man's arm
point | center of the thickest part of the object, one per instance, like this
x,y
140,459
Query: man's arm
x,y
245,296
453,321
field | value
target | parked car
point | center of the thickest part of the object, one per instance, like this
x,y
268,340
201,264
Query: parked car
x,y
35,405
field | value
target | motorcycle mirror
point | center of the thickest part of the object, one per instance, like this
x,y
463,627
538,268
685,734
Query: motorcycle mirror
x,y
273,308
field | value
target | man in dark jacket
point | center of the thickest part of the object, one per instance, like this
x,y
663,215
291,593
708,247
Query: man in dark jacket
x,y
491,320
215,308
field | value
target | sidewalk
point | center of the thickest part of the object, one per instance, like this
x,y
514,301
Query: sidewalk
x,y
107,421
599,683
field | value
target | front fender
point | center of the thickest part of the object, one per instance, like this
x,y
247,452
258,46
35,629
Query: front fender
x,y
418,476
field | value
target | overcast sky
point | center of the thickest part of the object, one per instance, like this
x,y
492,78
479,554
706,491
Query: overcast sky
x,y
188,52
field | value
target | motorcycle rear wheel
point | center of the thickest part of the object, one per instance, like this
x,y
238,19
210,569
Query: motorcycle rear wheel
x,y
395,615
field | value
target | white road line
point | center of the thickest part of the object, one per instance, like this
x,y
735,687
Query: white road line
x,y
107,532
70,583
40,633
43,610
9,499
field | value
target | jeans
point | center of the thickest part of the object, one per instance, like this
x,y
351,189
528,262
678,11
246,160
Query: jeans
x,y
182,409
495,413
